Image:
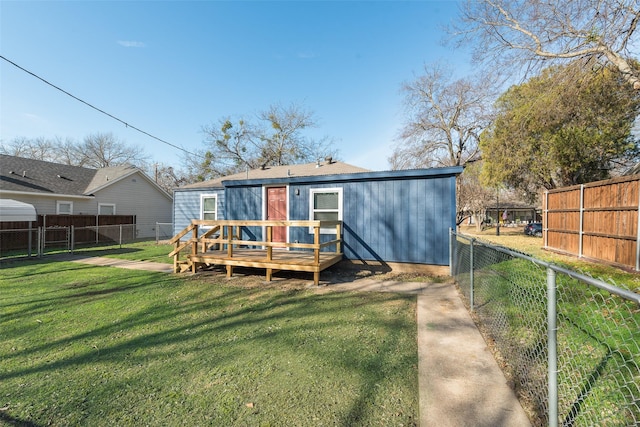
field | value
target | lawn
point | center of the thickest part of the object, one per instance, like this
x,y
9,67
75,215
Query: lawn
x,y
514,238
597,333
86,345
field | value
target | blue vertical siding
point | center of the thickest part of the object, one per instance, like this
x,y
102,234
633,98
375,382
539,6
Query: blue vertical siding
x,y
388,216
245,203
404,220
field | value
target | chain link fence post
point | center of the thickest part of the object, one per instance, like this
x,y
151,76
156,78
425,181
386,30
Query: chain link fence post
x,y
471,267
451,250
552,347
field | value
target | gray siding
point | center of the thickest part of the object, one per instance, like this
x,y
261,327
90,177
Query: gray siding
x,y
186,206
132,195
135,195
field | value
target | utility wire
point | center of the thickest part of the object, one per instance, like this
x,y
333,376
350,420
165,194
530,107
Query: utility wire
x,y
96,108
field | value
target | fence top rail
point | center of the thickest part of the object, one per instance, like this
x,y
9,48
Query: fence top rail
x,y
624,293
265,223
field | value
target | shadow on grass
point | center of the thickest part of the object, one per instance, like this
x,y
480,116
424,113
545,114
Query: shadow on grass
x,y
218,324
4,417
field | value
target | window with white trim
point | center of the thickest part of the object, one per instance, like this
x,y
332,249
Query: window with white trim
x,y
209,206
64,208
325,204
106,209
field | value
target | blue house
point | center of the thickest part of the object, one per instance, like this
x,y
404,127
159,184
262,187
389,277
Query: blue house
x,y
388,217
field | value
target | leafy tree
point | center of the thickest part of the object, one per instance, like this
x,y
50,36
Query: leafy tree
x,y
276,137
554,131
444,120
534,32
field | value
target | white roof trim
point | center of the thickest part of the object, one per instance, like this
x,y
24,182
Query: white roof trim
x,y
54,195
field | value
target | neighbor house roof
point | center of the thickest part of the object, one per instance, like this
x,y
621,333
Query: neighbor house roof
x,y
306,169
18,174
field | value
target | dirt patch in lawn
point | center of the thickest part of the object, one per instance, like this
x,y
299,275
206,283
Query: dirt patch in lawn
x,y
294,280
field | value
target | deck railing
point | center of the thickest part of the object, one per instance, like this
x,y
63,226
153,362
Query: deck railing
x,y
225,235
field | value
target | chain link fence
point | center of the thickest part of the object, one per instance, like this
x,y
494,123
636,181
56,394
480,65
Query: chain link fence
x,y
569,343
164,231
41,240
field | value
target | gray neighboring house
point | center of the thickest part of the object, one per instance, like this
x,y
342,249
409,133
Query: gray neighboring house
x,y
57,189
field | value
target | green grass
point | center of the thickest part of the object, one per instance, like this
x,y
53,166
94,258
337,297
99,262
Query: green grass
x,y
514,238
597,340
85,345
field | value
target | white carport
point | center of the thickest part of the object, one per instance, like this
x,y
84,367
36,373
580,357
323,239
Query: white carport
x,y
13,210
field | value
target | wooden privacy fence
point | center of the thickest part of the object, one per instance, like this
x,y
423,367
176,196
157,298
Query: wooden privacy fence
x,y
598,221
88,229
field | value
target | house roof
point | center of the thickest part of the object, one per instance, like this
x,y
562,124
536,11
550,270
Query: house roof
x,y
287,171
18,174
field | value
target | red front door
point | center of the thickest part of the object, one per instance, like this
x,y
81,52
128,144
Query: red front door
x,y
277,210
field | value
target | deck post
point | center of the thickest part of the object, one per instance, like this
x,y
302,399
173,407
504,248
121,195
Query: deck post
x,y
316,278
269,240
229,271
176,257
316,244
338,238
194,248
229,244
269,274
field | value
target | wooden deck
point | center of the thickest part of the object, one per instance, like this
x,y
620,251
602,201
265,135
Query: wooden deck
x,y
222,244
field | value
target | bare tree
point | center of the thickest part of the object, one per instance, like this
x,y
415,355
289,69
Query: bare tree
x,y
232,146
444,120
472,196
31,148
284,142
275,138
535,33
101,150
167,177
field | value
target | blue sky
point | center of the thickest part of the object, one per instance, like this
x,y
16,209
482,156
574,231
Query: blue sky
x,y
172,67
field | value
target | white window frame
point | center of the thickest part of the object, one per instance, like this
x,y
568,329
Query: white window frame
x,y
101,205
62,203
208,196
314,191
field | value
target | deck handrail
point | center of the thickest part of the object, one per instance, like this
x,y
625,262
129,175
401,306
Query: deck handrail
x,y
264,223
227,237
181,234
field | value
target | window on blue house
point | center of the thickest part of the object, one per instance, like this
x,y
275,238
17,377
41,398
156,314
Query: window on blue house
x,y
325,204
209,206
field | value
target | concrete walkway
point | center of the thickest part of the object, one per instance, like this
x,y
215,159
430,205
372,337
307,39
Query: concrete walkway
x,y
120,263
460,382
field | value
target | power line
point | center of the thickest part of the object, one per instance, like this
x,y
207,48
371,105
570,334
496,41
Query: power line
x,y
96,108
